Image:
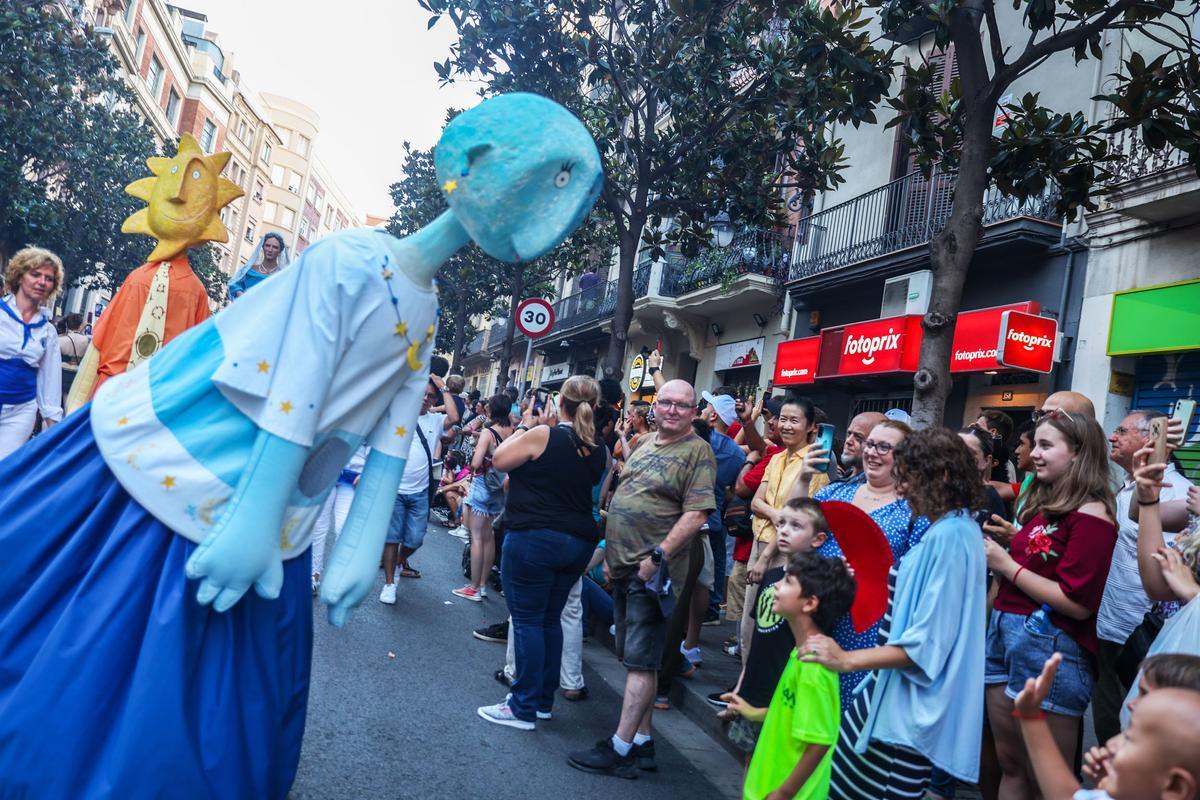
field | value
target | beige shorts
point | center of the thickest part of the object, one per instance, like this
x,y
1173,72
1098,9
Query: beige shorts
x,y
735,592
708,572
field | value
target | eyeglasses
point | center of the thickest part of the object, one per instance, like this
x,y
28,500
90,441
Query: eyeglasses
x,y
1121,430
670,405
883,448
1041,416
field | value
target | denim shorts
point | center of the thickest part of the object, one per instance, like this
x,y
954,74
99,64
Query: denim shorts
x,y
1014,654
482,501
410,517
641,626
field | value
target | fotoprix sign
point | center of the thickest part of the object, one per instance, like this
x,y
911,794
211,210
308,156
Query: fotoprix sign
x,y
796,361
976,334
1027,341
879,346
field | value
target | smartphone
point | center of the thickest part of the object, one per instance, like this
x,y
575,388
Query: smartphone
x,y
1158,439
825,442
1183,411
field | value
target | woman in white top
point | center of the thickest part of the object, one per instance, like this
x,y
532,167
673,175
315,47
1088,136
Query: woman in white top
x,y
30,363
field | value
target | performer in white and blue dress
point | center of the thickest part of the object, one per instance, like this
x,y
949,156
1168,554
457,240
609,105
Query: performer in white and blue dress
x,y
268,257
134,660
30,361
921,706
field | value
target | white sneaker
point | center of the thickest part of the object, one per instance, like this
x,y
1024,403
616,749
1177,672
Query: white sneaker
x,y
388,595
540,714
501,714
460,533
483,591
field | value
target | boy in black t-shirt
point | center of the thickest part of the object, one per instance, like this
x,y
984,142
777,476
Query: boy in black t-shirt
x,y
801,529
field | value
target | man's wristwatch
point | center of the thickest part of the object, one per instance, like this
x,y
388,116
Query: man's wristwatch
x,y
656,555
652,370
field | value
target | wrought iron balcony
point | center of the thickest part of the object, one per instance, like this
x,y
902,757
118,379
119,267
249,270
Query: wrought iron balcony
x,y
753,251
1137,160
597,303
905,213
475,345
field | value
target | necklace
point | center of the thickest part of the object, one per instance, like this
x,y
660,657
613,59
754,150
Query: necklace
x,y
888,495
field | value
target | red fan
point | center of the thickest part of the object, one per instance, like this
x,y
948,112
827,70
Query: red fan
x,y
867,549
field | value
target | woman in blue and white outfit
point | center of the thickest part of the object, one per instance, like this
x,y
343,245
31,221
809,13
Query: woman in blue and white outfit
x,y
270,256
922,705
133,532
30,361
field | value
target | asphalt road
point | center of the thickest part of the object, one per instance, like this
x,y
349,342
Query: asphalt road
x,y
406,727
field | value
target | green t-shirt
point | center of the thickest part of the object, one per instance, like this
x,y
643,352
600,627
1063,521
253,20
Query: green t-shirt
x,y
658,484
805,710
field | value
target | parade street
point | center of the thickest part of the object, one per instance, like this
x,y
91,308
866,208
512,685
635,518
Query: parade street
x,y
406,727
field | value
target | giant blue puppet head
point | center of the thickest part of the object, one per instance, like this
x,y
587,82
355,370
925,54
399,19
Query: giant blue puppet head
x,y
520,173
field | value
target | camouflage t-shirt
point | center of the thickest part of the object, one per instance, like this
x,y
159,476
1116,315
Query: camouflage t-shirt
x,y
658,484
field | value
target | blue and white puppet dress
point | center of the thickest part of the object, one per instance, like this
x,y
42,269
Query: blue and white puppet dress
x,y
30,374
114,681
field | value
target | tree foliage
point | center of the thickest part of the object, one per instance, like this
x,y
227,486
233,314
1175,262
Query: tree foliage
x,y
68,146
698,107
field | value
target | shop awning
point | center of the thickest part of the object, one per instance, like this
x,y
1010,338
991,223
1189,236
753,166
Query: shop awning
x,y
1156,319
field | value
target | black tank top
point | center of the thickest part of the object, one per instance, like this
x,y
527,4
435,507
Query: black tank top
x,y
554,490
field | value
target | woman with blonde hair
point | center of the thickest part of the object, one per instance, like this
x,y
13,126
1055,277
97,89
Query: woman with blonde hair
x,y
1051,583
549,540
30,361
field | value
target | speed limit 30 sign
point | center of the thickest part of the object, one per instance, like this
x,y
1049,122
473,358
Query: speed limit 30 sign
x,y
535,317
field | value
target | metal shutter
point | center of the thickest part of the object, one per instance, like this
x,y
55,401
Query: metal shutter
x,y
1160,381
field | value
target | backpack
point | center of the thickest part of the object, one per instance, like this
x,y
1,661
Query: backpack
x,y
493,479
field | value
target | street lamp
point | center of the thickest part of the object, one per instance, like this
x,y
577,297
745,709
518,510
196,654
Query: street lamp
x,y
722,229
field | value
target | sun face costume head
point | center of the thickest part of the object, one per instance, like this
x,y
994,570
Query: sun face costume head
x,y
183,200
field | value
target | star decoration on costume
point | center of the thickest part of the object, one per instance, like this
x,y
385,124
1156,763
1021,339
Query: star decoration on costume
x,y
401,329
157,312
168,482
401,430
183,200
449,186
387,274
263,366
122,422
286,407
429,333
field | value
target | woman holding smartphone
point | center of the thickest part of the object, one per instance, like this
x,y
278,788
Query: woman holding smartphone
x,y
1051,584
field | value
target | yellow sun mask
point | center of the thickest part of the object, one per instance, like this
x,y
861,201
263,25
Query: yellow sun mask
x,y
183,200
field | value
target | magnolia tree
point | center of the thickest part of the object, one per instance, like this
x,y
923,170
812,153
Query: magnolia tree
x,y
698,107
1039,146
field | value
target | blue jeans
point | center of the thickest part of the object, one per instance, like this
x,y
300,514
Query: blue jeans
x,y
717,596
539,566
410,518
597,605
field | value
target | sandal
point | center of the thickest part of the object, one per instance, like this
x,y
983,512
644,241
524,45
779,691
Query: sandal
x,y
408,572
502,678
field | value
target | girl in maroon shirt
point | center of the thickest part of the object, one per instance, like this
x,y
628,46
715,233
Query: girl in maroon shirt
x,y
1059,559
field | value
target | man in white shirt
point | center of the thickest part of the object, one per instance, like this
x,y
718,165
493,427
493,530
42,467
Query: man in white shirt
x,y
410,516
1125,602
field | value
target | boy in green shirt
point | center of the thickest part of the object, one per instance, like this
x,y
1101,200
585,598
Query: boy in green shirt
x,y
794,754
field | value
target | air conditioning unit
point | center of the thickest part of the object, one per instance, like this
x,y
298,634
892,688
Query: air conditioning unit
x,y
907,294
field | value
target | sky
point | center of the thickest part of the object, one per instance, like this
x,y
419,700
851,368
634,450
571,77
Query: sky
x,y
365,66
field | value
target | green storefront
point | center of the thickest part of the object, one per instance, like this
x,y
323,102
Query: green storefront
x,y
1160,325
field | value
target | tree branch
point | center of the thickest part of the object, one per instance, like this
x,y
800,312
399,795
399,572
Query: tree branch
x,y
989,13
1066,40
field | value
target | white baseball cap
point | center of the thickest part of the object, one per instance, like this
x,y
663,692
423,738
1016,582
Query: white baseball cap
x,y
723,404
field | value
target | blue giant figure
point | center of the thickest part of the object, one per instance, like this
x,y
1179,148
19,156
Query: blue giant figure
x,y
134,660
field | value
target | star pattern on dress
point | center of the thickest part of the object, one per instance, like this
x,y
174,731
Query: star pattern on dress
x,y
401,328
449,186
387,274
401,430
263,366
429,332
168,482
122,422
286,407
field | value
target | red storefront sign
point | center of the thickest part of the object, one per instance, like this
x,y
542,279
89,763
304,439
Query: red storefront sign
x,y
976,334
883,345
1027,341
796,361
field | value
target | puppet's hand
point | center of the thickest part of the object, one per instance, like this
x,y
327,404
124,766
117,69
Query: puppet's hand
x,y
241,554
354,564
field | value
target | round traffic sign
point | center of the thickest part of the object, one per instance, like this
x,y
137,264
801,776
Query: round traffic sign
x,y
535,317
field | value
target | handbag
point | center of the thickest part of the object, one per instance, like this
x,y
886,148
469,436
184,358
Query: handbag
x,y
431,490
493,479
737,519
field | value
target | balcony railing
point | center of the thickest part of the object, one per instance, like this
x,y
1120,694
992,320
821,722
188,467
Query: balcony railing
x,y
1137,160
753,251
904,213
597,303
475,345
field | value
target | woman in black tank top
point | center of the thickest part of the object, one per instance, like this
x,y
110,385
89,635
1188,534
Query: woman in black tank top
x,y
550,536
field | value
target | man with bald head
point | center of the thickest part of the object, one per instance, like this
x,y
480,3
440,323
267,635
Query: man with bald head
x,y
1071,402
665,495
856,434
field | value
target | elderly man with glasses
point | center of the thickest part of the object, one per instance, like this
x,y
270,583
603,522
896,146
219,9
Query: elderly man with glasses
x,y
665,495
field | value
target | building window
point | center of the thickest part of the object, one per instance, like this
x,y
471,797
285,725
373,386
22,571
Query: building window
x,y
154,78
173,108
266,153
241,130
294,183
299,144
320,201
258,191
310,194
250,231
208,136
329,217
269,212
131,12
277,175
304,228
141,47
287,217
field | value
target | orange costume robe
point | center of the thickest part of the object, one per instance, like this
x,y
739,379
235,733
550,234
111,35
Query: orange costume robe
x,y
187,306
